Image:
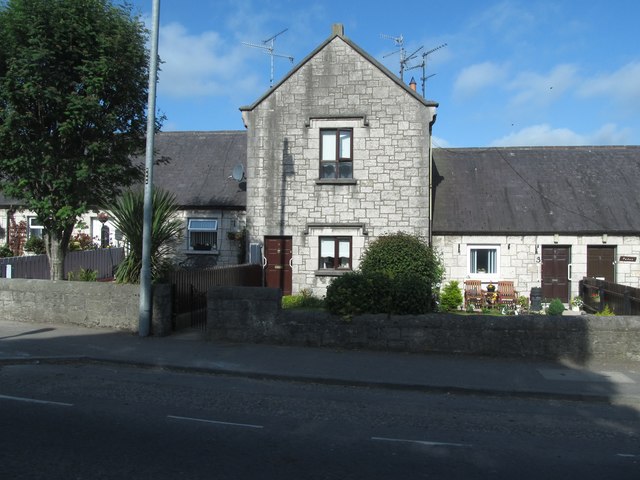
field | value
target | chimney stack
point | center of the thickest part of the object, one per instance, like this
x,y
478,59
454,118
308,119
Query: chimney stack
x,y
337,29
412,84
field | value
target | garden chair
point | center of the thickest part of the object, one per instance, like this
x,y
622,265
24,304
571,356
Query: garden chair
x,y
507,294
473,294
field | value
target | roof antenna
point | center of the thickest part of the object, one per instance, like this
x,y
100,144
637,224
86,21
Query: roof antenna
x,y
268,46
424,65
399,41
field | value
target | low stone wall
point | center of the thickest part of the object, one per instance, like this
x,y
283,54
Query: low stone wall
x,y
90,304
254,315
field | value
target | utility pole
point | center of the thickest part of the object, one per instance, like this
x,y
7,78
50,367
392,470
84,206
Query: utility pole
x,y
144,318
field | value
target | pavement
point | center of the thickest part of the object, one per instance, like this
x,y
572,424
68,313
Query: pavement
x,y
595,381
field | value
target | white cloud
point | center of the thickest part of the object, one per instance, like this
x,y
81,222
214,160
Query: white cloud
x,y
477,77
536,89
623,85
545,135
196,65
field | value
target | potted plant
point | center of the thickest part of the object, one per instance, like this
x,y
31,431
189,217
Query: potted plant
x,y
576,303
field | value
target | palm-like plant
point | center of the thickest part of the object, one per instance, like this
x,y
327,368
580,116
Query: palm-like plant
x,y
128,214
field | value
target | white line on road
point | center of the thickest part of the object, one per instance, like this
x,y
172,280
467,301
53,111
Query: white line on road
x,y
627,455
422,442
214,422
33,400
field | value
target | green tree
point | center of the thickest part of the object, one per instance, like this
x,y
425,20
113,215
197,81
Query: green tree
x,y
73,96
166,230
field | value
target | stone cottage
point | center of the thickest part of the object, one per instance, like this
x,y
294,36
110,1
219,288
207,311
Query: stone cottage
x,y
338,152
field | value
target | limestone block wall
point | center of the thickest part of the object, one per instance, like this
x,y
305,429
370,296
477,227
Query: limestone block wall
x,y
89,304
254,315
520,257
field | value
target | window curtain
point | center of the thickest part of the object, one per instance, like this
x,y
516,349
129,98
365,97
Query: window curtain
x,y
493,261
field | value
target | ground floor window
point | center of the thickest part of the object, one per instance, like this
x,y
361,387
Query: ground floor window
x,y
202,234
483,259
335,253
35,228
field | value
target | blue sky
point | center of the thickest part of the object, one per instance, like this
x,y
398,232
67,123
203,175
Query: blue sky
x,y
530,72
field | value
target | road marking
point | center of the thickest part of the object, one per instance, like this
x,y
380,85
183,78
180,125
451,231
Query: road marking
x,y
422,442
627,455
33,400
214,422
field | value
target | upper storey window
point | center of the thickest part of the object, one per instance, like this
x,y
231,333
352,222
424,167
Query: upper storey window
x,y
336,153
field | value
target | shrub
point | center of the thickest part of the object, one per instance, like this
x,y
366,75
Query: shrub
x,y
523,302
606,312
398,253
81,241
36,245
451,297
355,293
5,251
555,307
83,275
303,300
411,294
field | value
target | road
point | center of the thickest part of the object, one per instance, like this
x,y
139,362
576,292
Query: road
x,y
92,421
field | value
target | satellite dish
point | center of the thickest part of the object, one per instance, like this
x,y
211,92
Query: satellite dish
x,y
238,173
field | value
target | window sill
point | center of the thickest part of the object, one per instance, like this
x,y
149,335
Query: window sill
x,y
336,181
329,272
201,252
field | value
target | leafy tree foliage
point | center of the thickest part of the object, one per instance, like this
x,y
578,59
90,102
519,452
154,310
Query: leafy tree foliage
x,y
166,229
400,252
73,95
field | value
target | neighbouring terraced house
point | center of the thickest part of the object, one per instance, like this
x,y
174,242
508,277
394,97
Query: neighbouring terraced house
x,y
339,152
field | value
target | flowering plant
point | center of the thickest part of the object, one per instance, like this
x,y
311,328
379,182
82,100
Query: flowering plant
x,y
577,302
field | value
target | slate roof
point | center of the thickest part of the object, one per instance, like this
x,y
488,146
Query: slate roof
x,y
196,166
537,190
199,166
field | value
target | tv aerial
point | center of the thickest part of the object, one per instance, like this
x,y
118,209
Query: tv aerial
x,y
423,65
399,41
268,47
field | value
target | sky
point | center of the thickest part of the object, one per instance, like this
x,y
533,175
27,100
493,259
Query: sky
x,y
511,73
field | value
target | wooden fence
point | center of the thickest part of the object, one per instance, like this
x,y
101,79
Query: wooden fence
x,y
103,260
190,290
621,299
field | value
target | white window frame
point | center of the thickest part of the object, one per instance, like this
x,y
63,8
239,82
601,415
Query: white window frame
x,y
34,230
484,276
195,225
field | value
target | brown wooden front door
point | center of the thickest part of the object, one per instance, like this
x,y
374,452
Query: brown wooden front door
x,y
601,263
278,273
555,273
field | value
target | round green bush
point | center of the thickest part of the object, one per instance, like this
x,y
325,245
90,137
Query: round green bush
x,y
399,253
555,307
